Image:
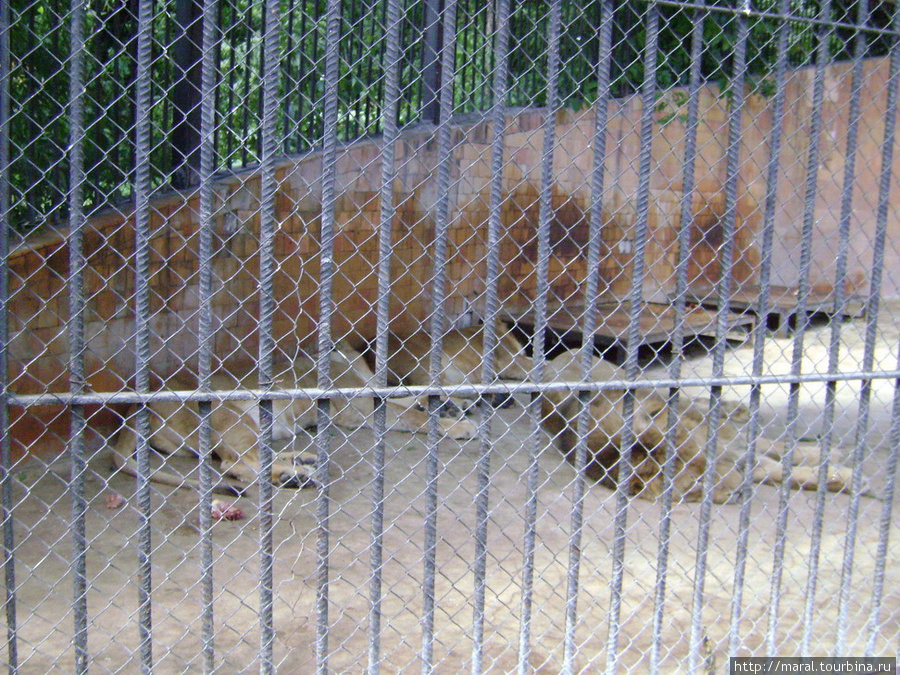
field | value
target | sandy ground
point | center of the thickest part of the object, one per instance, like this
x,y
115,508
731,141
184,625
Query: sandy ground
x,y
43,548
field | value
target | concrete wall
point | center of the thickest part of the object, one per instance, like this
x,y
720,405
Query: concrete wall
x,y
38,308
830,179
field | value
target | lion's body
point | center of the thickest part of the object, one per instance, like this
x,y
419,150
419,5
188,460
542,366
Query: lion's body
x,y
604,438
462,358
234,424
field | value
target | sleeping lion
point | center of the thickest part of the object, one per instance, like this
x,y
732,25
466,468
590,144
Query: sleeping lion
x,y
560,414
462,360
175,426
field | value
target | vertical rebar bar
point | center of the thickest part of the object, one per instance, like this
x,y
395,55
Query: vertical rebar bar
x,y
483,465
680,300
205,324
382,311
633,340
760,329
542,289
77,385
872,309
812,168
500,88
142,188
885,520
836,320
725,256
268,186
591,295
6,486
326,310
439,292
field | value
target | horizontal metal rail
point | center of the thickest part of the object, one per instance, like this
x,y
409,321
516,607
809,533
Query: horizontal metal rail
x,y
467,390
747,11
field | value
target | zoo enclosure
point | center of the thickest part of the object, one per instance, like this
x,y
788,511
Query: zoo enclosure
x,y
136,273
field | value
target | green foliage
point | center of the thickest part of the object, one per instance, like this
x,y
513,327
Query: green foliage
x,y
39,39
39,92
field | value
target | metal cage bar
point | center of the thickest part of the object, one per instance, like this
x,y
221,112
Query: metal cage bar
x,y
672,414
812,168
840,282
437,328
142,189
316,393
872,311
387,214
76,335
6,484
723,292
635,308
590,321
759,332
206,344
326,310
267,226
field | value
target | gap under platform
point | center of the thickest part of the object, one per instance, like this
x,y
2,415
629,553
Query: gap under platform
x,y
657,326
782,312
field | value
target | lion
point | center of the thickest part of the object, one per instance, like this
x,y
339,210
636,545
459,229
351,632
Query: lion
x,y
462,360
175,426
560,417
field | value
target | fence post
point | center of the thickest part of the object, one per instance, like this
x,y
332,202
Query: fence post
x,y
185,138
431,66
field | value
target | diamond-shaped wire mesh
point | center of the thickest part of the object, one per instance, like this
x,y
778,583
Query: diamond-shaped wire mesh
x,y
446,336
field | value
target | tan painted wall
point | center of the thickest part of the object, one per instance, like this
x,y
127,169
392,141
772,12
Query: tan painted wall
x,y
830,179
38,350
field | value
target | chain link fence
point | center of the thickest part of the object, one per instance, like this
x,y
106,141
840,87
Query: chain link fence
x,y
447,336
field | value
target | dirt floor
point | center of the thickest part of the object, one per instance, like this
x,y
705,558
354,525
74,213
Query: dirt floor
x,y
43,548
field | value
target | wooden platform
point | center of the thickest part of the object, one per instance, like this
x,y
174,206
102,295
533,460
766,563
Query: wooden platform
x,y
781,315
657,325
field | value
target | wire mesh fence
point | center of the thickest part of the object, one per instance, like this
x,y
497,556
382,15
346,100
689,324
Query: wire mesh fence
x,y
389,336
